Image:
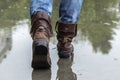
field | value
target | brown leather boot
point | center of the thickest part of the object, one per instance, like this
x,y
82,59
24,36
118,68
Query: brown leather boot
x,y
41,32
65,34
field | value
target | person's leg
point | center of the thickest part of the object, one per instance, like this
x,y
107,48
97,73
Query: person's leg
x,y
67,26
69,10
41,31
41,6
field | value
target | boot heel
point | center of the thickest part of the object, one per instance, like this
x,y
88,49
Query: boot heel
x,y
40,47
41,58
40,62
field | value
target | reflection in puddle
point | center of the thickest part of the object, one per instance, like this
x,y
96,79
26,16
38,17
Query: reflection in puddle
x,y
5,42
65,71
16,65
97,23
41,75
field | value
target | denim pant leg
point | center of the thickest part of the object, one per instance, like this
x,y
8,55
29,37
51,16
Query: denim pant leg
x,y
41,6
69,10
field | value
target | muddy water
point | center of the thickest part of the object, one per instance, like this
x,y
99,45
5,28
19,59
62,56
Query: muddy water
x,y
96,47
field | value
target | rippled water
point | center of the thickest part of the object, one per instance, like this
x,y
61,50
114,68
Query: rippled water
x,y
96,53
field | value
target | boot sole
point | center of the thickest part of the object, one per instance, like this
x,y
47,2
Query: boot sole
x,y
65,54
41,60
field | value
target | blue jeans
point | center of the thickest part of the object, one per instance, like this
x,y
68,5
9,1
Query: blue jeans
x,y
69,10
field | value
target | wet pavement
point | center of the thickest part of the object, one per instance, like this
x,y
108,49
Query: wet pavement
x,y
96,47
